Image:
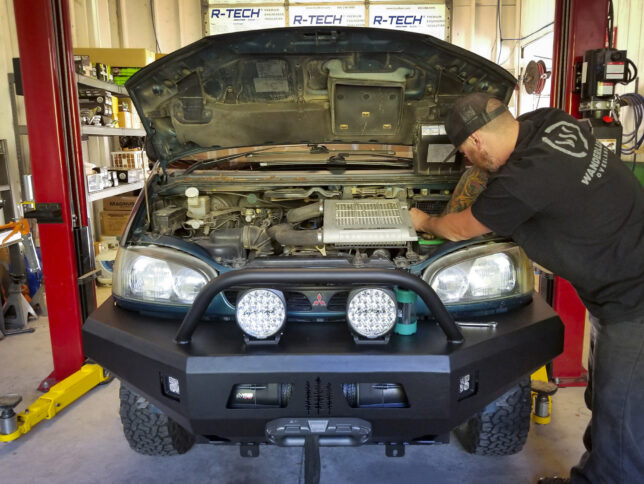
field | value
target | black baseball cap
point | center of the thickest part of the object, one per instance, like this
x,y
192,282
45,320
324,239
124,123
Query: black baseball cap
x,y
469,114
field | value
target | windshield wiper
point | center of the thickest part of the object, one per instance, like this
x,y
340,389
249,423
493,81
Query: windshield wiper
x,y
342,156
214,161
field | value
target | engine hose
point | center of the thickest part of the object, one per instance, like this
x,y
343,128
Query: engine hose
x,y
306,212
256,239
287,235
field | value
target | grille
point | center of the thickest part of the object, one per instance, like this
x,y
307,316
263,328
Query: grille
x,y
433,207
373,214
318,397
295,301
337,302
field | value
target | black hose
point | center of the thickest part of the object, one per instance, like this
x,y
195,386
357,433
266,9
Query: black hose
x,y
285,234
306,212
256,239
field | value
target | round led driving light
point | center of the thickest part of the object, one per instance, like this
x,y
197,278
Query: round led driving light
x,y
372,312
261,313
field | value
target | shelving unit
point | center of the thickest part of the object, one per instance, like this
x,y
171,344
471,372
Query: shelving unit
x,y
119,91
107,131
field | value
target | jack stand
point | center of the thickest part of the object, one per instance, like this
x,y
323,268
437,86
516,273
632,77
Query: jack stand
x,y
8,423
59,396
16,311
312,459
542,391
39,302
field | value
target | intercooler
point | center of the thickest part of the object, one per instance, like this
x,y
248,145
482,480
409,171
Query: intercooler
x,y
371,222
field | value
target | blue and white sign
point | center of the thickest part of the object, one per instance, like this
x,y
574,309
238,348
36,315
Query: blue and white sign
x,y
315,15
234,18
425,19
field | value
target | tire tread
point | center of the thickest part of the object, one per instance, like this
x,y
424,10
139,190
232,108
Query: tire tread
x,y
503,430
149,431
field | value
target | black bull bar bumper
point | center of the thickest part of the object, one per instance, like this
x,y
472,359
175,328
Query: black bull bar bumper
x,y
318,360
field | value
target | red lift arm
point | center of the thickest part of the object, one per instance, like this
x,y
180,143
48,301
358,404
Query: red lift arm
x,y
51,104
580,25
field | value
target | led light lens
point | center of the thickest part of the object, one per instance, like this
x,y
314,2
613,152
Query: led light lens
x,y
173,385
372,312
261,312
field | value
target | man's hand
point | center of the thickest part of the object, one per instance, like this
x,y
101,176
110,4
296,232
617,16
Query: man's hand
x,y
420,219
453,226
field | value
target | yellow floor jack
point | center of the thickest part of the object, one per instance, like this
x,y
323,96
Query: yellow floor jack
x,y
542,391
58,397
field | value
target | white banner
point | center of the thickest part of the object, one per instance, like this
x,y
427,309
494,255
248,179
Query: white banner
x,y
227,18
310,15
229,3
426,19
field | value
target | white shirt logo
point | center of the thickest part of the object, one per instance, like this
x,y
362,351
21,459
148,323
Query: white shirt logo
x,y
567,138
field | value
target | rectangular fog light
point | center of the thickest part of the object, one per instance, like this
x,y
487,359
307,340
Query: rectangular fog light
x,y
170,387
467,385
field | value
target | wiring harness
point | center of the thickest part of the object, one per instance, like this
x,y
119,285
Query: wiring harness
x,y
631,142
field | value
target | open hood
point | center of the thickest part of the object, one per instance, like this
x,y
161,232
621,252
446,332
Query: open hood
x,y
305,85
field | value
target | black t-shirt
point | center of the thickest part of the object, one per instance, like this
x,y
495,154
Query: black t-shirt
x,y
575,208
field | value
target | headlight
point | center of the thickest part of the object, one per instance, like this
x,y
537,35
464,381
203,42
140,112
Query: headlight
x,y
261,313
159,275
371,312
481,273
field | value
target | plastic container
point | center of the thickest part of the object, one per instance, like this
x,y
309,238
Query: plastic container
x,y
129,159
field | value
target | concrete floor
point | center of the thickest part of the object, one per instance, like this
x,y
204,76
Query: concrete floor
x,y
85,444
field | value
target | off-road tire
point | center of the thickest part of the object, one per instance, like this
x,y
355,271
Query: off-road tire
x,y
502,427
148,430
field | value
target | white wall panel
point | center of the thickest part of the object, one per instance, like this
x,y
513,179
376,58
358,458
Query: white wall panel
x,y
9,43
628,20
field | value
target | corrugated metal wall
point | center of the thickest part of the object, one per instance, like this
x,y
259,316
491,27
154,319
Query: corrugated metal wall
x,y
129,23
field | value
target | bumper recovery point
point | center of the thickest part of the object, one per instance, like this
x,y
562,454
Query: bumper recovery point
x,y
312,433
290,432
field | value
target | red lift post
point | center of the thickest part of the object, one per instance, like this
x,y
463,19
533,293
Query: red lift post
x,y
580,25
44,37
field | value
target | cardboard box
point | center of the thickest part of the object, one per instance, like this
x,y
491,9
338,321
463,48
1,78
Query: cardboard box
x,y
117,57
82,65
113,222
120,203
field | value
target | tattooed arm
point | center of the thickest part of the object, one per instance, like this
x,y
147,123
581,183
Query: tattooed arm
x,y
457,221
469,187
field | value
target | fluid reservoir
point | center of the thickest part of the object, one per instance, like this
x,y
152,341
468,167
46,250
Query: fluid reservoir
x,y
198,206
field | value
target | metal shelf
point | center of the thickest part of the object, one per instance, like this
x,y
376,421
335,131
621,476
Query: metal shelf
x,y
113,191
106,131
109,86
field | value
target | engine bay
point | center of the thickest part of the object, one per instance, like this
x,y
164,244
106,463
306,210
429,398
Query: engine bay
x,y
358,222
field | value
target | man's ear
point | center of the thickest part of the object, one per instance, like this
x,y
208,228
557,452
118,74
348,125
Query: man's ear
x,y
477,140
